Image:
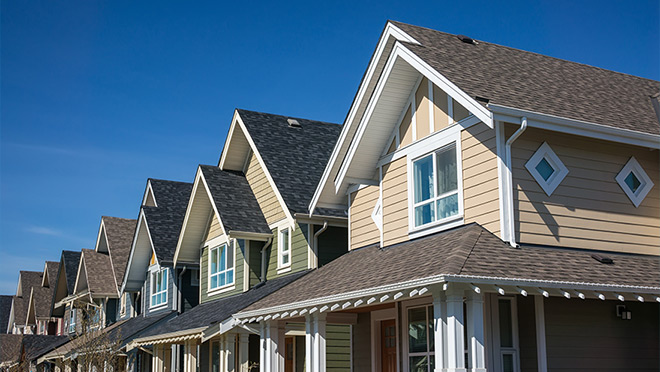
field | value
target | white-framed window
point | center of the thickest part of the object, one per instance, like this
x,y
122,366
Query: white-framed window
x,y
159,287
546,168
72,320
435,187
221,266
634,181
284,248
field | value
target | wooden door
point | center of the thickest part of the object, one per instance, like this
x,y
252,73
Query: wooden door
x,y
288,354
388,345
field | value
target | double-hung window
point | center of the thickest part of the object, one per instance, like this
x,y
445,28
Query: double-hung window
x,y
221,270
284,251
435,186
159,287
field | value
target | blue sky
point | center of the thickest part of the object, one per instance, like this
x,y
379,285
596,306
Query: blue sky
x,y
98,96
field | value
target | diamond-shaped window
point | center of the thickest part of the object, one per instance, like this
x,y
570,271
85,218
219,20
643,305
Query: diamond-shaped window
x,y
634,181
546,168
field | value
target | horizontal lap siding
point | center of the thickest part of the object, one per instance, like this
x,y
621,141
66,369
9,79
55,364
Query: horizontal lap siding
x,y
214,230
338,348
588,209
395,202
588,336
363,229
299,248
480,178
263,191
204,276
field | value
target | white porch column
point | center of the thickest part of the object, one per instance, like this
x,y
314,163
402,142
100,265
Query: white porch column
x,y
243,350
281,345
309,343
475,332
273,348
156,359
541,354
190,357
319,343
230,342
263,346
439,329
455,338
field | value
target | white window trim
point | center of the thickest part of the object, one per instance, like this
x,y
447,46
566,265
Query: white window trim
x,y
422,149
73,319
377,214
405,346
633,166
229,286
282,268
122,304
545,152
153,272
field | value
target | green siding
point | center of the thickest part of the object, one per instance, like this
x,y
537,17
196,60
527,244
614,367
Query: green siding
x,y
238,274
299,248
338,347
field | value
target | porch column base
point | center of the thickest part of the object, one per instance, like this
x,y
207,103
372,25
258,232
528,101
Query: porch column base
x,y
455,370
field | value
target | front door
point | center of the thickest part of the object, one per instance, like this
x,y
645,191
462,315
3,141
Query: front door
x,y
288,352
388,345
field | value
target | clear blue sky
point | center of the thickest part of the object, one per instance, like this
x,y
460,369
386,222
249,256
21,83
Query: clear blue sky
x,y
98,96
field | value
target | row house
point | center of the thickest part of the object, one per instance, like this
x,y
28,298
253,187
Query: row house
x,y
503,215
64,283
17,322
38,306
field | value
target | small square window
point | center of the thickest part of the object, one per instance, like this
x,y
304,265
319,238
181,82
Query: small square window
x,y
284,248
634,181
546,168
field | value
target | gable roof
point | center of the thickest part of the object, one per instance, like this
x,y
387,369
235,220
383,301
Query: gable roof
x,y
29,279
119,233
19,310
97,272
534,82
70,261
41,298
294,156
50,272
234,200
5,308
466,251
10,348
35,346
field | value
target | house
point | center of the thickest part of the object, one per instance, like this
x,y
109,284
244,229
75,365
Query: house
x,y
38,309
63,283
503,211
248,229
18,311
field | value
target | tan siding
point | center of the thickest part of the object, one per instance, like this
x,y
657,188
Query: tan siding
x,y
405,129
214,229
270,206
395,202
588,209
440,111
480,182
363,229
422,119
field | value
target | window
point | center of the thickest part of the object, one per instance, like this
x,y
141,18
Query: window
x,y
421,348
546,168
72,321
221,270
634,181
377,214
435,186
159,287
284,251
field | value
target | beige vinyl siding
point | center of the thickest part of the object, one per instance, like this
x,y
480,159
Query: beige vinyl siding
x,y
204,274
480,181
214,229
395,202
363,230
338,348
440,109
263,191
422,119
588,209
299,249
405,129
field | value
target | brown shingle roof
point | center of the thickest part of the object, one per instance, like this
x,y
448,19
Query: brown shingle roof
x,y
534,82
468,250
120,232
100,278
51,270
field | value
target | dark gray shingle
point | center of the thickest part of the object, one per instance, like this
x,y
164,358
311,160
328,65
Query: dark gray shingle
x,y
5,308
119,232
100,278
70,261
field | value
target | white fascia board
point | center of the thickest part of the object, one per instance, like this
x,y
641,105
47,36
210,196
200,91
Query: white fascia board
x,y
98,237
130,256
230,135
147,191
400,51
287,213
576,127
187,216
80,268
390,31
215,208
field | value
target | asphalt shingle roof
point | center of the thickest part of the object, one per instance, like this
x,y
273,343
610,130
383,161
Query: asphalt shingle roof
x,y
30,279
119,232
209,313
10,347
70,260
466,250
5,308
100,278
41,297
534,82
51,270
235,201
165,220
295,157
20,310
35,346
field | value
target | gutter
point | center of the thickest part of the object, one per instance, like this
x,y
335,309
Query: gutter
x,y
179,289
508,186
316,242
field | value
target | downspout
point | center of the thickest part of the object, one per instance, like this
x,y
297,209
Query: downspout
x,y
263,259
179,291
316,242
511,225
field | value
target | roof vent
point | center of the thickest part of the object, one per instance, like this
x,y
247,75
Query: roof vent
x,y
466,39
602,259
482,99
293,123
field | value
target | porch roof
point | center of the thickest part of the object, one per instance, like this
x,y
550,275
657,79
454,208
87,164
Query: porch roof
x,y
468,254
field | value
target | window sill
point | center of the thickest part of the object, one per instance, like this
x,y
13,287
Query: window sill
x,y
158,307
283,270
444,224
219,290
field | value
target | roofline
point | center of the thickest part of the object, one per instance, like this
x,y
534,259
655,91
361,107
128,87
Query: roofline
x,y
146,193
249,235
447,278
576,127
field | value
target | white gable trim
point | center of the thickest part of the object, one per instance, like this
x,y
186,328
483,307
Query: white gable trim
x,y
576,127
230,135
390,31
80,268
141,219
147,192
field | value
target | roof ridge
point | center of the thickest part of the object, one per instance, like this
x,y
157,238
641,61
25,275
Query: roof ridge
x,y
288,116
481,230
525,51
169,181
118,218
